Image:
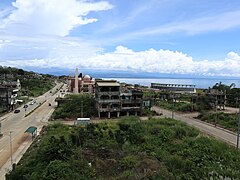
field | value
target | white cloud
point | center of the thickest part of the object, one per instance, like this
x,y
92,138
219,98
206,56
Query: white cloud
x,y
125,59
35,35
35,32
52,17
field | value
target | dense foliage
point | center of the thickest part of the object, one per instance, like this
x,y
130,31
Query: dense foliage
x,y
177,106
11,70
233,97
74,105
35,87
130,149
227,121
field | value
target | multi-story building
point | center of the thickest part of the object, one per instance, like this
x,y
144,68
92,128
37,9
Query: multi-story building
x,y
113,101
107,95
131,102
9,91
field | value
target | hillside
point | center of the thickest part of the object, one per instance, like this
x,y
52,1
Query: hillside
x,y
32,84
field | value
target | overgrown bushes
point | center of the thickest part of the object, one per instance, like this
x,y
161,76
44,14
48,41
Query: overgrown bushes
x,y
227,121
35,87
130,149
76,106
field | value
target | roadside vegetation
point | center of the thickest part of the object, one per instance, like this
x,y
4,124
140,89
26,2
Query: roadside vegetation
x,y
74,106
176,106
203,102
224,120
129,149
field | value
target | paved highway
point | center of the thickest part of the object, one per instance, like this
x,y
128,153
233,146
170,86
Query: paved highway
x,y
17,123
219,133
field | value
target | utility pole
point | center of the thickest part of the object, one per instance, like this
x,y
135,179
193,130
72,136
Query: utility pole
x,y
216,115
81,108
191,103
172,106
238,134
11,148
0,130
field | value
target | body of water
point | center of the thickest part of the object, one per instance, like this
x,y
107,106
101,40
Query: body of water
x,y
199,82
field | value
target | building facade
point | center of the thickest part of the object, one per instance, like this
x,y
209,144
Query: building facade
x,y
9,91
113,101
81,83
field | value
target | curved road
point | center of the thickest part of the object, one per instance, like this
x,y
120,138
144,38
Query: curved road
x,y
217,132
17,123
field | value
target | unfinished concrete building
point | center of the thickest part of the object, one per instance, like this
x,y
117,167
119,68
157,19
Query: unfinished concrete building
x,y
107,95
9,91
113,101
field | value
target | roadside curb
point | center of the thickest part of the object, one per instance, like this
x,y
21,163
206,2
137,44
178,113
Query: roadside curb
x,y
217,127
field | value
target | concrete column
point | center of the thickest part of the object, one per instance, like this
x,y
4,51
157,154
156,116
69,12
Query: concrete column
x,y
127,113
136,113
109,115
118,114
99,114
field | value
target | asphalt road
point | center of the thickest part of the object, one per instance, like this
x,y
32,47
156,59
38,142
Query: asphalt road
x,y
219,133
17,124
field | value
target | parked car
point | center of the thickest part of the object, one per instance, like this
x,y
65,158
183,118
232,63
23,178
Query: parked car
x,y
17,111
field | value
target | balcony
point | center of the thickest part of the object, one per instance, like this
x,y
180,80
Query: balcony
x,y
131,108
115,109
108,100
131,101
108,93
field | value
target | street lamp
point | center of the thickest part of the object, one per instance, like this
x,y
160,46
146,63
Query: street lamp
x,y
10,135
238,134
172,105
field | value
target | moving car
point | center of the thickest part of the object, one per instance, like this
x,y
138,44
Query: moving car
x,y
32,102
17,111
25,106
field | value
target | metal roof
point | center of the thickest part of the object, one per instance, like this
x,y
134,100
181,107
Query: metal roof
x,y
108,84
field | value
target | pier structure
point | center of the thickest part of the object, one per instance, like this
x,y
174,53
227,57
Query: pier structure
x,y
175,88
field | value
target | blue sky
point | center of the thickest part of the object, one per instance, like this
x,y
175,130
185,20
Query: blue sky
x,y
156,36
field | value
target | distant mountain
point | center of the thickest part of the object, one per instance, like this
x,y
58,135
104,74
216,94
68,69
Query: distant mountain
x,y
122,74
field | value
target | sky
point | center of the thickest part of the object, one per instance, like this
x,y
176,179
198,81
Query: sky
x,y
154,36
